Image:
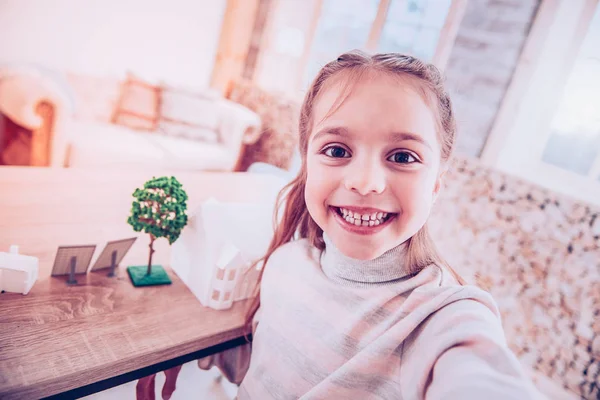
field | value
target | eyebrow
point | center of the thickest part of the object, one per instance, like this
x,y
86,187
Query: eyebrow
x,y
402,136
394,136
336,131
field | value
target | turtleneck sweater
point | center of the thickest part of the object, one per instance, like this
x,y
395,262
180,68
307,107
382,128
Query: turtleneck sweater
x,y
333,327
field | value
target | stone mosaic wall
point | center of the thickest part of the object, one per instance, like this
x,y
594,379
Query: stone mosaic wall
x,y
538,253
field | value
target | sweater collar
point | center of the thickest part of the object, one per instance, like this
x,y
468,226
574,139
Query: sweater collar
x,y
385,269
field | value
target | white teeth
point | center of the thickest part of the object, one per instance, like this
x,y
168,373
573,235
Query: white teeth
x,y
357,219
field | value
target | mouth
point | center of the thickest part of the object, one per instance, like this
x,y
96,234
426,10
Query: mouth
x,y
364,220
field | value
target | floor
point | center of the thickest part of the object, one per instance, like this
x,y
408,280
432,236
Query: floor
x,y
192,383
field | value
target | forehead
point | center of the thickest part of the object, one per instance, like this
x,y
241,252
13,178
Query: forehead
x,y
377,104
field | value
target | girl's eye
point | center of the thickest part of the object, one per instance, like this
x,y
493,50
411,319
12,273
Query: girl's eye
x,y
402,157
336,152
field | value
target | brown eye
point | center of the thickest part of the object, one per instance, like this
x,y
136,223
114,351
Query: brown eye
x,y
336,152
402,157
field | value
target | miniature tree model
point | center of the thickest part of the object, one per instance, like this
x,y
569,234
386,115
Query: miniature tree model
x,y
158,210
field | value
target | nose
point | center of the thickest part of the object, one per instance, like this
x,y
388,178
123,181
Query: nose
x,y
365,177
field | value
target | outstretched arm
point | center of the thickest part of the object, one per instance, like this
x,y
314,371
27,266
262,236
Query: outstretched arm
x,y
460,352
479,369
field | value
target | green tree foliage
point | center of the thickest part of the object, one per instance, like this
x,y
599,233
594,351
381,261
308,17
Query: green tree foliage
x,y
159,210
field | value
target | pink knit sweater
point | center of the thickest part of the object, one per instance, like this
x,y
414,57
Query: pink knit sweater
x,y
331,327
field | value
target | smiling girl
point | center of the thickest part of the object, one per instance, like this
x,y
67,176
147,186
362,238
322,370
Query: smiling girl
x,y
355,303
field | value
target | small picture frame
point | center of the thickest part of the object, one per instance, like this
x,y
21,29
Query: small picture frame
x,y
112,255
72,261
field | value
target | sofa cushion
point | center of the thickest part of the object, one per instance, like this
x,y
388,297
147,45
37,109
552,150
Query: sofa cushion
x,y
191,155
98,144
195,109
191,115
279,133
109,145
138,104
96,97
190,132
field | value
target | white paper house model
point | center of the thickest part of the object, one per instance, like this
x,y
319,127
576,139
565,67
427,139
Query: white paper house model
x,y
231,279
18,272
215,250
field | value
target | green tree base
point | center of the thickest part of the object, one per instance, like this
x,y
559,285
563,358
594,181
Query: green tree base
x,y
138,275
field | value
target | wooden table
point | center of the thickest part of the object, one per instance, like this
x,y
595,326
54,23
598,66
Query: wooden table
x,y
102,332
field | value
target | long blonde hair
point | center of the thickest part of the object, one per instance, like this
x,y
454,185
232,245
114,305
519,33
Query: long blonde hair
x,y
296,222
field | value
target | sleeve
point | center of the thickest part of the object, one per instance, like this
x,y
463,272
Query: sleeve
x,y
233,363
474,361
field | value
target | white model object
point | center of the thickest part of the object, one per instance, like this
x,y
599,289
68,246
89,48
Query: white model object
x,y
18,272
215,250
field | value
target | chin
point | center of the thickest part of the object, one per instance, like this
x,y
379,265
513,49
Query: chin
x,y
359,248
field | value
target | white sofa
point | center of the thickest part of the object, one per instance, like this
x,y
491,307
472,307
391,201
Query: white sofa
x,y
78,143
97,144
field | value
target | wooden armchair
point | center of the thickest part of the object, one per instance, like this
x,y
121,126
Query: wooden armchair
x,y
33,109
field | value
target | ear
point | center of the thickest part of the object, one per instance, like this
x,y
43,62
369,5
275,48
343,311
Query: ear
x,y
439,182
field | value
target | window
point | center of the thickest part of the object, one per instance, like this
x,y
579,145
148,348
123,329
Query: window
x,y
548,128
302,36
401,26
574,141
342,25
414,27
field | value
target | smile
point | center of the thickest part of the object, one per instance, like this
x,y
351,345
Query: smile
x,y
363,222
366,219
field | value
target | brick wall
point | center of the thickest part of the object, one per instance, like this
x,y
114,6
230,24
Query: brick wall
x,y
483,59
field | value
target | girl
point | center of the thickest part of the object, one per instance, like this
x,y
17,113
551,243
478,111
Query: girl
x,y
354,302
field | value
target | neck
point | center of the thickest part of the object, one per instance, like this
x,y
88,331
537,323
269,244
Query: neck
x,y
385,269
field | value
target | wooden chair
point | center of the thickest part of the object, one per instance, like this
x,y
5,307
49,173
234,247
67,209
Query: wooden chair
x,y
30,104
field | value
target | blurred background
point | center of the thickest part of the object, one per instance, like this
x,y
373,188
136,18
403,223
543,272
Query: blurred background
x,y
523,76
216,85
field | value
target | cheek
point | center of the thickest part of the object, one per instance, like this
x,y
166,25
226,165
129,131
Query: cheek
x,y
416,196
316,190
